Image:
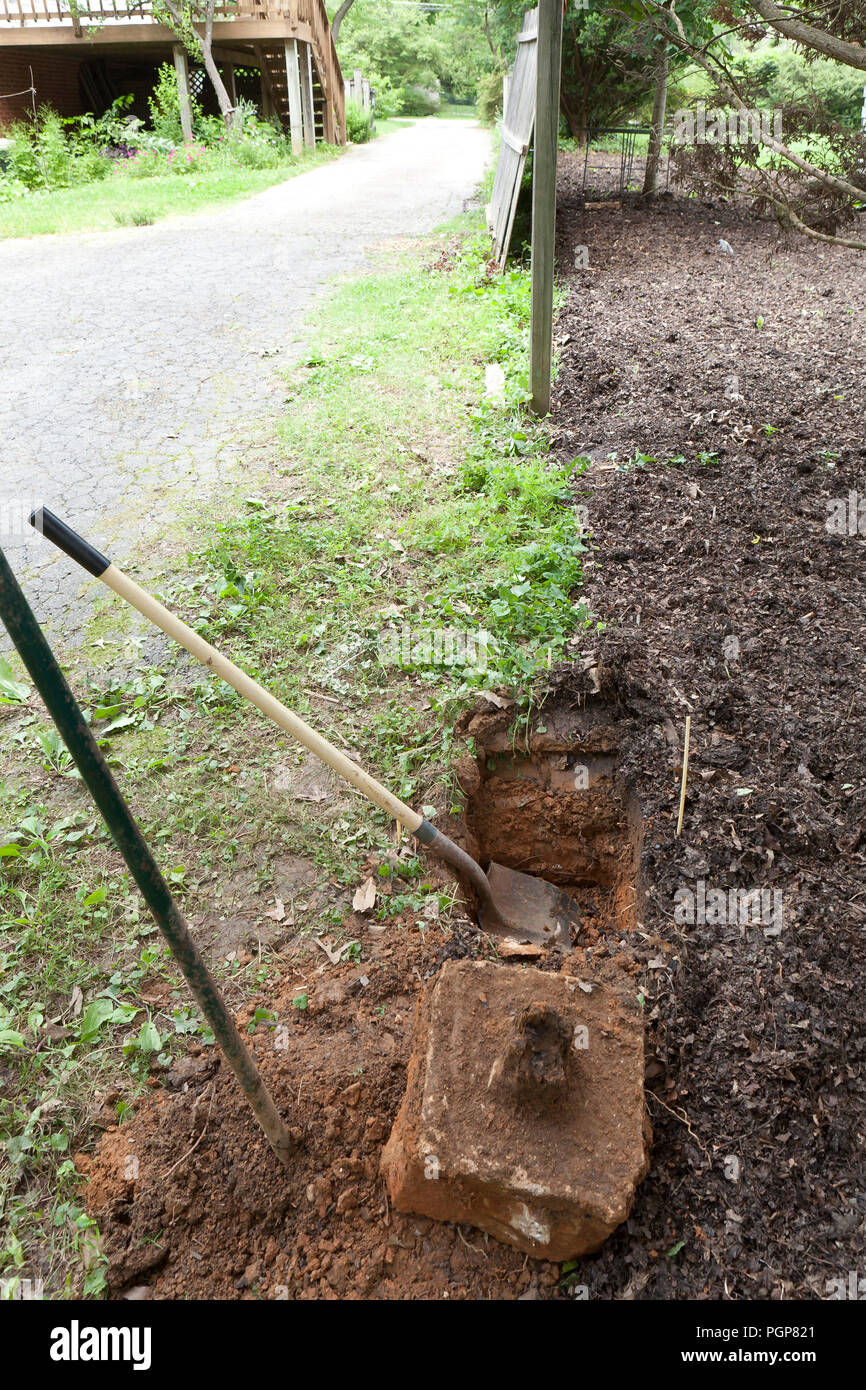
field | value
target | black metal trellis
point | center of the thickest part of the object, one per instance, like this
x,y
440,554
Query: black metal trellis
x,y
628,150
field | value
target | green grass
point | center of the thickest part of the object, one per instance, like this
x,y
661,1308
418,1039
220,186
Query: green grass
x,y
396,497
122,201
447,112
386,125
454,111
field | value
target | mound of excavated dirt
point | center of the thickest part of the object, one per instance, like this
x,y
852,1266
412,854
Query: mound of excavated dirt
x,y
193,1204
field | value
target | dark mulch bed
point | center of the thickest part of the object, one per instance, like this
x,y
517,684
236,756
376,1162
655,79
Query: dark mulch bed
x,y
727,598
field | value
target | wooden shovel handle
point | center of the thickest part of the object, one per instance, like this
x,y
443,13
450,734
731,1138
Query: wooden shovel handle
x,y
127,589
96,564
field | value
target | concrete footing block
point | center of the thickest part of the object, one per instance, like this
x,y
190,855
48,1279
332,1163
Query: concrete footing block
x,y
524,1111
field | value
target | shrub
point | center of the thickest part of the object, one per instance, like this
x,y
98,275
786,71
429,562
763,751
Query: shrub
x,y
389,99
489,97
359,123
786,77
56,153
164,104
253,143
421,101
11,189
22,157
91,165
40,155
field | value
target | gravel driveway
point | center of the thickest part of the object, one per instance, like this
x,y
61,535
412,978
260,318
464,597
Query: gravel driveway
x,y
138,362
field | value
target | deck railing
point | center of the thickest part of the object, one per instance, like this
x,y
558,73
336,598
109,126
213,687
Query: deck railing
x,y
86,12
79,15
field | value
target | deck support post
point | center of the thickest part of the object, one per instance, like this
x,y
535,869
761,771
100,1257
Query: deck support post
x,y
293,80
231,85
306,65
181,67
269,106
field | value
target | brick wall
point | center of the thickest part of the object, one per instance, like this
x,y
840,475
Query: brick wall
x,y
55,78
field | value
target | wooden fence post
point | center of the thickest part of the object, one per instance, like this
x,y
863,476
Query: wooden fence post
x,y
544,200
181,67
293,80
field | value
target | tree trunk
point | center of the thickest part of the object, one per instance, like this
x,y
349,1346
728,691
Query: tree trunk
x,y
225,102
339,17
660,101
572,119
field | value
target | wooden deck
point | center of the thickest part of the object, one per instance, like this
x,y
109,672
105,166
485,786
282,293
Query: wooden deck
x,y
283,39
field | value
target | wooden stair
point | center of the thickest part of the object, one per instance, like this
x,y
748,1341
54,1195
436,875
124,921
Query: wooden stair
x,y
273,60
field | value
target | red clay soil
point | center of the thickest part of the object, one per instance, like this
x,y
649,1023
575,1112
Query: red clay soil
x,y
524,1113
192,1203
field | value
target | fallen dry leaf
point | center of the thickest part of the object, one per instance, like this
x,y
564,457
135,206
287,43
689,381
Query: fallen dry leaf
x,y
365,896
333,956
494,699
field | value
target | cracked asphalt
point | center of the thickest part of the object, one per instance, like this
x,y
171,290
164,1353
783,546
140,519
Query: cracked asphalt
x,y
137,364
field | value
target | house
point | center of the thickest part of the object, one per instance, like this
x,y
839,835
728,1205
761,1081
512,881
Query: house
x,y
80,55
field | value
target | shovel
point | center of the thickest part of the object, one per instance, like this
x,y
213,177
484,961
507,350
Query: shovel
x,y
512,904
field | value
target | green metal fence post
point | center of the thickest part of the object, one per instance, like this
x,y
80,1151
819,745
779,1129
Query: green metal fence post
x,y
39,659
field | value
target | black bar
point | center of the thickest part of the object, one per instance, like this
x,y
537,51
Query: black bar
x,y
69,541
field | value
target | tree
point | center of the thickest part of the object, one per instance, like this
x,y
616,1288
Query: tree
x,y
660,101
812,180
851,18
339,17
607,68
182,16
398,48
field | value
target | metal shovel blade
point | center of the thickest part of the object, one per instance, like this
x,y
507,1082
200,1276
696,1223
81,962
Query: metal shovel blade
x,y
530,909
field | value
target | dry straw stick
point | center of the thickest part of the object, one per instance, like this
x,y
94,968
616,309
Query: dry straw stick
x,y
685,774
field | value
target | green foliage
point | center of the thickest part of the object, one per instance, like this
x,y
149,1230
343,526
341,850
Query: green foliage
x,y
784,77
12,691
359,126
413,59
489,97
40,156
48,155
164,106
607,68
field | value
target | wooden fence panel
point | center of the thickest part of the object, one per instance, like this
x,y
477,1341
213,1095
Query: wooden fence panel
x,y
518,121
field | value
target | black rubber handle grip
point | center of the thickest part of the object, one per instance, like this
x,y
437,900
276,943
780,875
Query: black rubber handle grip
x,y
69,541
